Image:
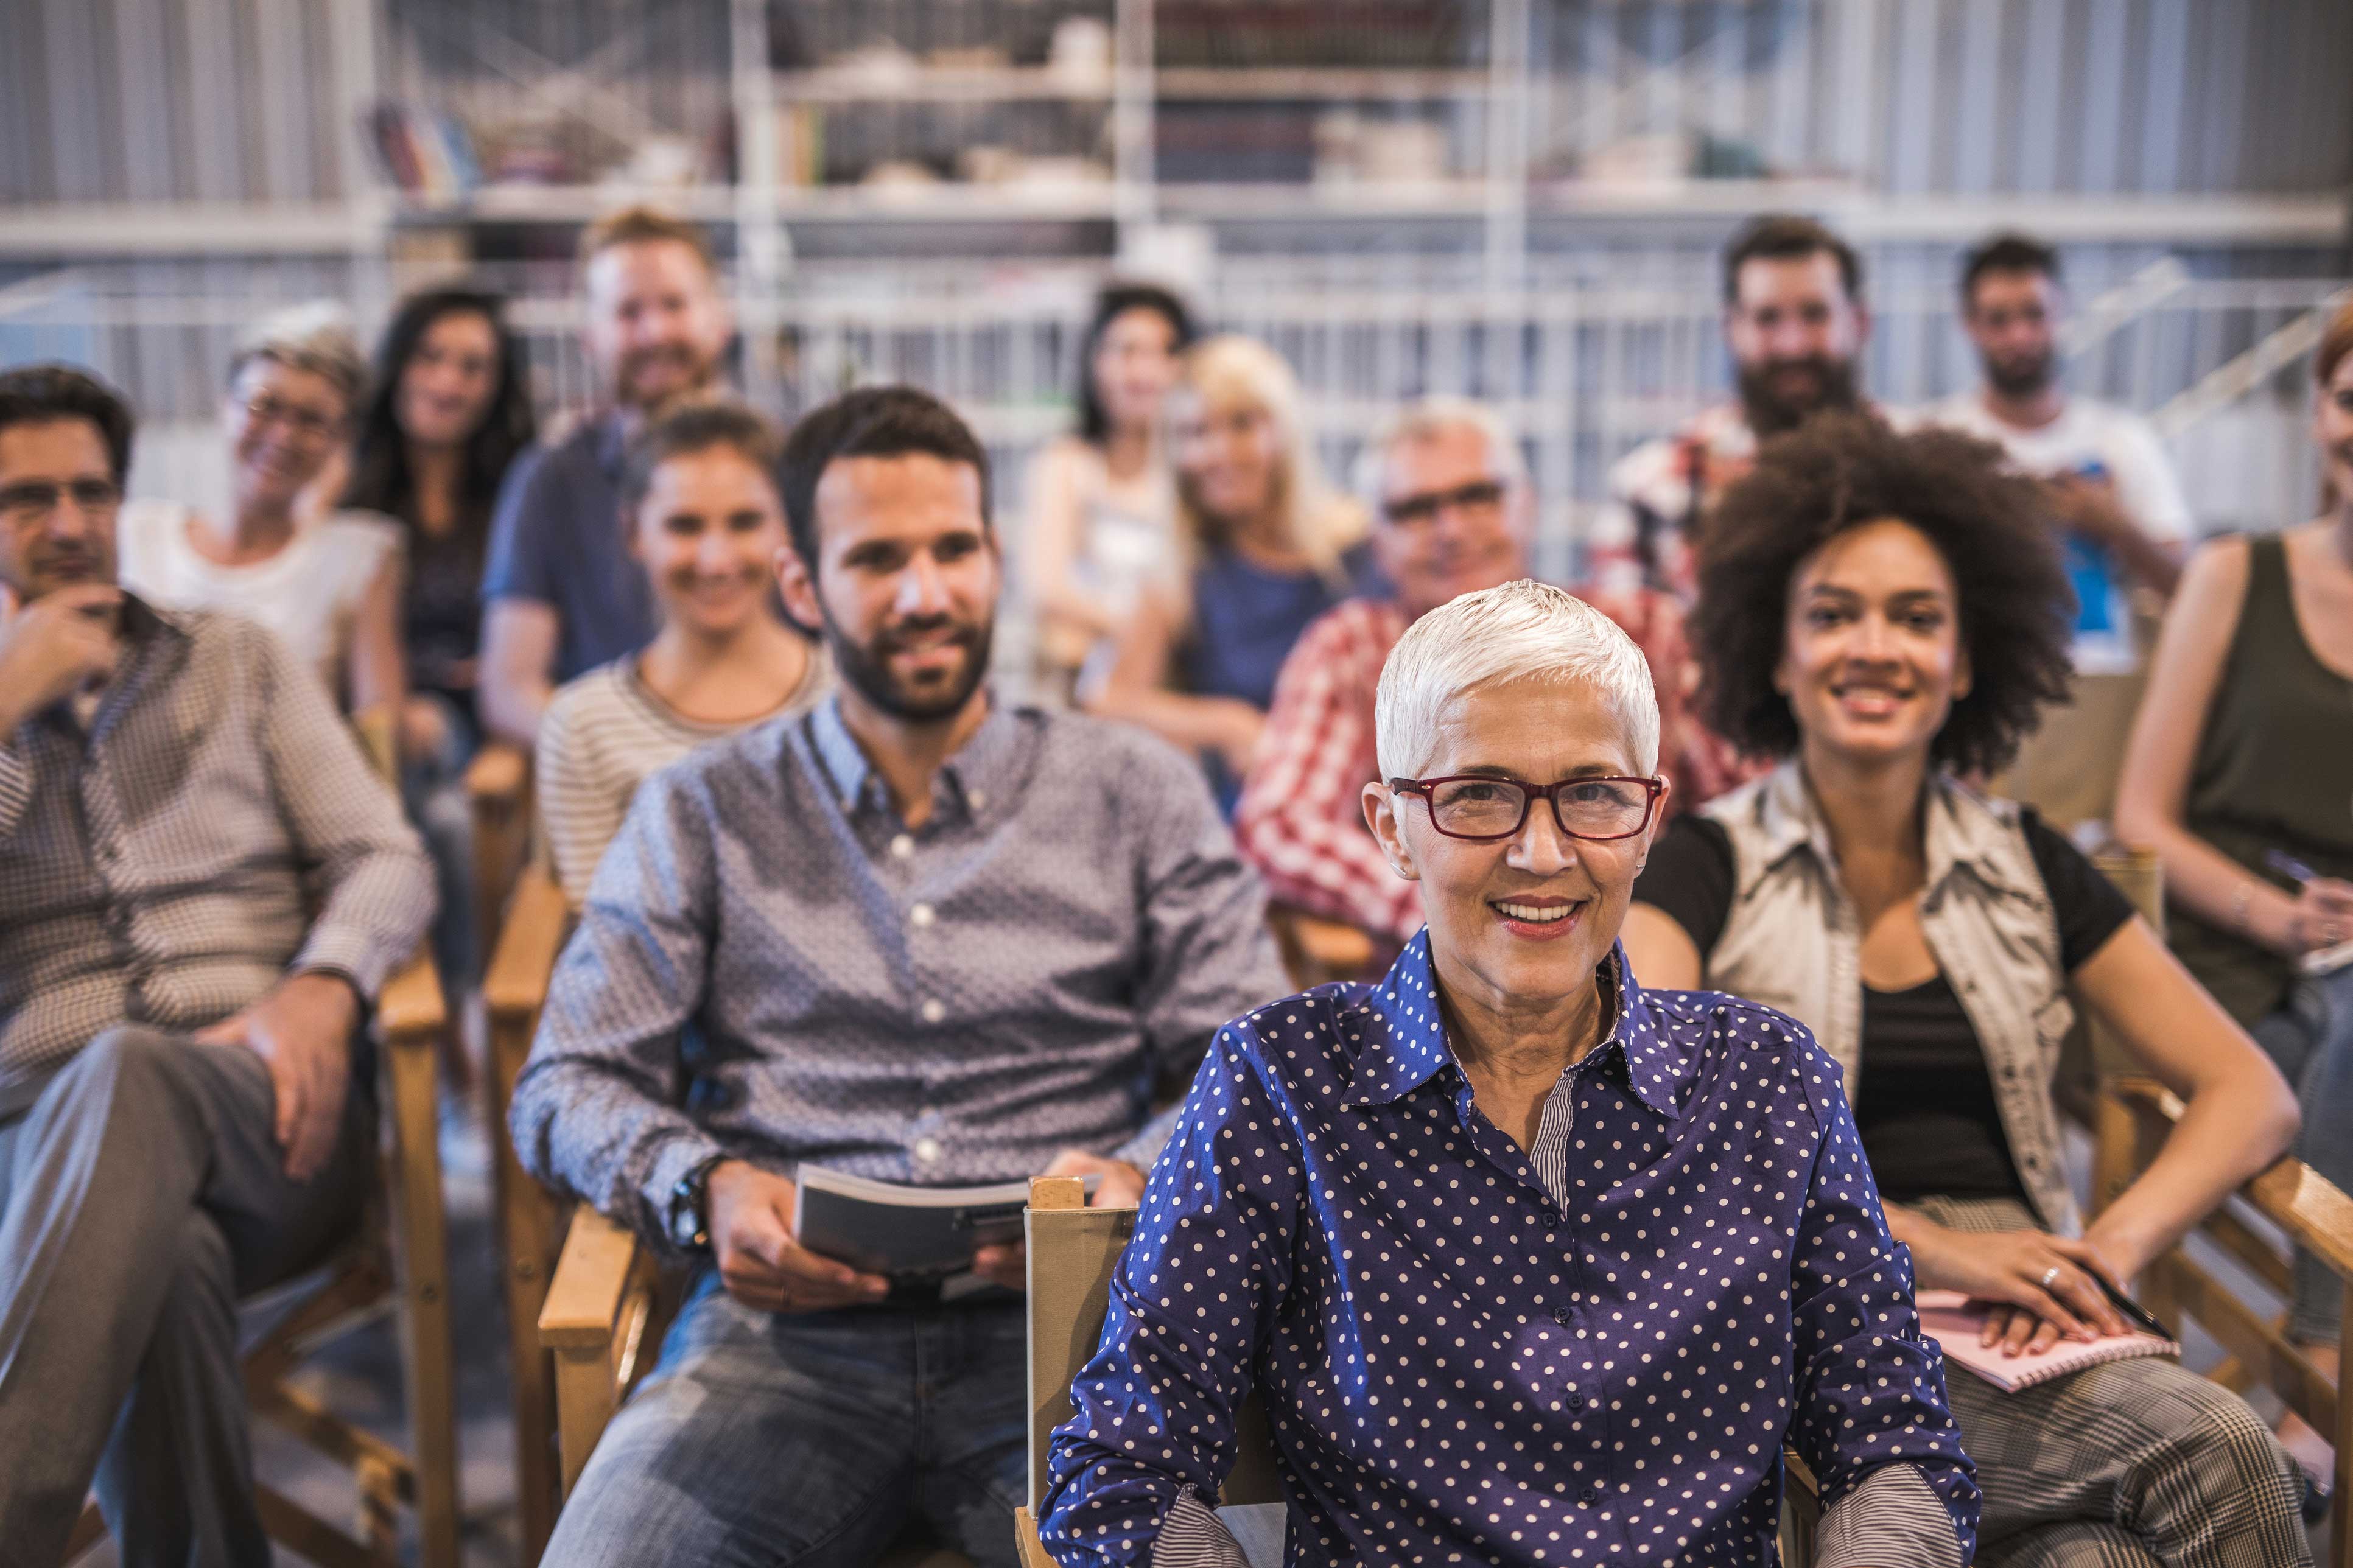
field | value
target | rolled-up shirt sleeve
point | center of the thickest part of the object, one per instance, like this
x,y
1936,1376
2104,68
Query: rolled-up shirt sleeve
x,y
1870,1389
596,1108
1195,1295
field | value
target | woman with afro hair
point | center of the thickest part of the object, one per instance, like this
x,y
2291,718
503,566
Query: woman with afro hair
x,y
1886,614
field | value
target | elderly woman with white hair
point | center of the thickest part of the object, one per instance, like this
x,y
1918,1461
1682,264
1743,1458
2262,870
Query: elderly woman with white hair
x,y
327,582
1526,1264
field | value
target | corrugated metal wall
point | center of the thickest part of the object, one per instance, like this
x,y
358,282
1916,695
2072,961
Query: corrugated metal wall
x,y
234,100
1914,97
114,100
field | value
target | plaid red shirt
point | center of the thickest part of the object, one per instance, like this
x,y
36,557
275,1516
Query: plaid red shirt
x,y
1301,821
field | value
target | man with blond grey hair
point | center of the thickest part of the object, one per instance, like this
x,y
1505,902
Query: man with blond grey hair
x,y
561,595
1448,487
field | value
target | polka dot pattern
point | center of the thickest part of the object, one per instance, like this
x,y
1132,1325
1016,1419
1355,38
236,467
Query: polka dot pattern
x,y
1462,1363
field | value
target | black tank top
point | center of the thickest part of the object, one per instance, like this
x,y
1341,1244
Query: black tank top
x,y
2274,771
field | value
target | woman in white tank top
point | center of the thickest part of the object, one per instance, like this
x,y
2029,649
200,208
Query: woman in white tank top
x,y
329,585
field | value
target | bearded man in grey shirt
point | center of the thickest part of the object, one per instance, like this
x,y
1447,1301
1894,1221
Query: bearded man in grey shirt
x,y
202,887
916,935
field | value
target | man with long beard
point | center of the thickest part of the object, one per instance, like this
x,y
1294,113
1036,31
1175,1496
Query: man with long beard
x,y
1795,323
2113,497
560,594
917,935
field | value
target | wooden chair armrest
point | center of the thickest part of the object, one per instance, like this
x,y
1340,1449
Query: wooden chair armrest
x,y
378,730
497,776
1315,950
525,960
2312,1210
583,1311
1333,945
1025,1536
411,1012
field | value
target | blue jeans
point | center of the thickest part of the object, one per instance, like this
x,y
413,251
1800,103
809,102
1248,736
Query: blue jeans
x,y
810,1440
2311,1040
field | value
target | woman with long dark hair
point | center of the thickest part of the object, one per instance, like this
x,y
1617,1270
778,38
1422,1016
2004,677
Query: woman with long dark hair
x,y
447,414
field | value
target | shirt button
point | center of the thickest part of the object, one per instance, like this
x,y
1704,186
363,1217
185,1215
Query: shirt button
x,y
1575,1401
902,846
927,1150
1561,1315
920,916
935,1010
1589,1494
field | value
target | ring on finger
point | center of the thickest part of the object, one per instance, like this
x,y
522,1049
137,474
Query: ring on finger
x,y
2050,1275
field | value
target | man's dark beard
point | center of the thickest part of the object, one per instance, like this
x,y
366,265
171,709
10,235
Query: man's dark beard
x,y
2020,378
866,669
1769,414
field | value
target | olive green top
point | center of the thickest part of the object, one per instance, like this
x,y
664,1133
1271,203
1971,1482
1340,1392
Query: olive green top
x,y
2274,771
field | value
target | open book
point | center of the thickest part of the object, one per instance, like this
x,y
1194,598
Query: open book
x,y
902,1232
1954,1321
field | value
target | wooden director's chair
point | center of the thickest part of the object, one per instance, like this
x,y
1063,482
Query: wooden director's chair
x,y
529,1218
1072,1251
398,1260
2131,1117
497,791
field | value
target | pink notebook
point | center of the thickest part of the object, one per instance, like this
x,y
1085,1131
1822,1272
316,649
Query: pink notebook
x,y
1954,1321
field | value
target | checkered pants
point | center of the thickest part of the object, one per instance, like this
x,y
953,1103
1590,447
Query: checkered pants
x,y
2136,1464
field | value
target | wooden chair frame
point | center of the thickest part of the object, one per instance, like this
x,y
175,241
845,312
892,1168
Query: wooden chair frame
x,y
530,1219
2131,1117
498,786
2309,1211
1315,950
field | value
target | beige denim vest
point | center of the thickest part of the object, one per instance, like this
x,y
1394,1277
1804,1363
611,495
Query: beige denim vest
x,y
1793,942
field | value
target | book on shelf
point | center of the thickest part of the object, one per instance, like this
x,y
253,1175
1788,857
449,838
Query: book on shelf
x,y
429,156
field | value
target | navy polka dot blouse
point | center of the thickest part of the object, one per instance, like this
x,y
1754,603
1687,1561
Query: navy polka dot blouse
x,y
1467,1358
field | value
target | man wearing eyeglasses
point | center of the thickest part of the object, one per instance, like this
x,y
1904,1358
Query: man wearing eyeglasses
x,y
202,888
1446,481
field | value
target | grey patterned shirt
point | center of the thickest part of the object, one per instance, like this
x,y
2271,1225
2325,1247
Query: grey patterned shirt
x,y
214,829
771,965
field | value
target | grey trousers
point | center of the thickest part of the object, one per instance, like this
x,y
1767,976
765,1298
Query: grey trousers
x,y
2136,1464
141,1194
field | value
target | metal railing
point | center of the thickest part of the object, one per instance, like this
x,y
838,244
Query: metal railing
x,y
1584,368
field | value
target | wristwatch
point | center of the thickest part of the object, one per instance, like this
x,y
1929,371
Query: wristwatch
x,y
689,1219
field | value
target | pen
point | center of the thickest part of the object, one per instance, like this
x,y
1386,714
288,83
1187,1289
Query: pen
x,y
2140,1316
2289,866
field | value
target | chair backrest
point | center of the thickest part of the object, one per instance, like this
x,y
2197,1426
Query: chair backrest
x,y
377,729
1072,1251
2140,876
2067,770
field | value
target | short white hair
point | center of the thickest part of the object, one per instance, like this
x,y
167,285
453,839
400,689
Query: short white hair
x,y
1429,417
1520,631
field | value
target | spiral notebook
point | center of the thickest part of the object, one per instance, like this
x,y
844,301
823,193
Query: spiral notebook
x,y
1954,1321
